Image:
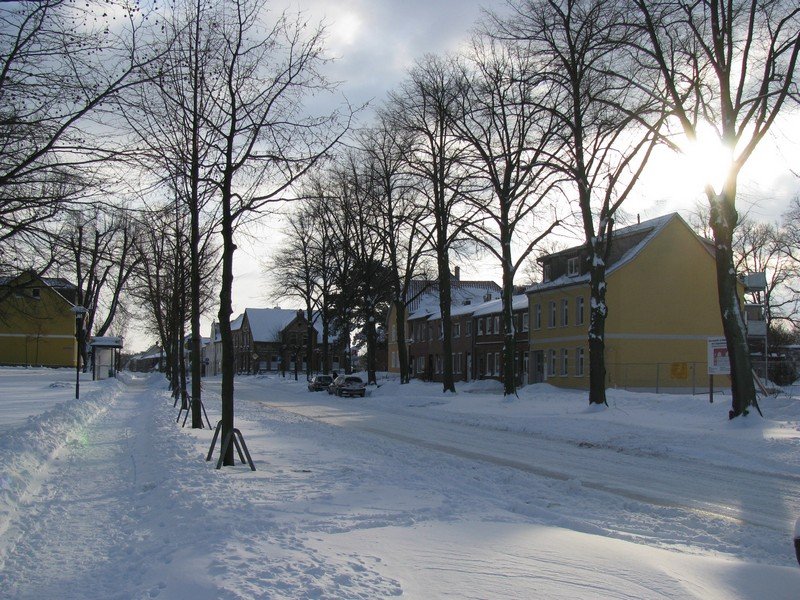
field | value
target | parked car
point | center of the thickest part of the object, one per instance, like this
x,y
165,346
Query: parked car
x,y
348,385
319,383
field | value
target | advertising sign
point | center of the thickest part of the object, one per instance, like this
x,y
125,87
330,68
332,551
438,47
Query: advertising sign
x,y
718,362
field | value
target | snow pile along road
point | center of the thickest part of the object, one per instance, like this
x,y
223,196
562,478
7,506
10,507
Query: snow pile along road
x,y
411,493
27,448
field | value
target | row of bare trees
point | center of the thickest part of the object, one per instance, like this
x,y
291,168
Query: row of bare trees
x,y
554,111
552,115
195,110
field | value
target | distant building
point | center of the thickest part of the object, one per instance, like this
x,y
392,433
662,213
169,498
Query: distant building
x,y
423,330
37,324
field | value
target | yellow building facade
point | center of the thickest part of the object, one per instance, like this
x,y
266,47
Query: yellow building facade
x,y
37,324
662,308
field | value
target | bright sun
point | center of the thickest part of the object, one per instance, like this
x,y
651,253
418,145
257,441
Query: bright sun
x,y
705,160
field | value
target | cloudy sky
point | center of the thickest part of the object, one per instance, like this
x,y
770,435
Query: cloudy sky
x,y
374,42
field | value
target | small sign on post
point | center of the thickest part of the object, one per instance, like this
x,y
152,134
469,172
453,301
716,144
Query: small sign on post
x,y
718,362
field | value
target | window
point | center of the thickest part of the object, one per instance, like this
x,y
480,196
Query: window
x,y
551,321
480,326
525,363
395,362
564,361
36,293
497,324
573,266
526,317
469,328
430,332
490,365
457,329
579,310
438,363
497,363
421,364
579,362
552,363
457,363
546,273
564,312
537,316
488,325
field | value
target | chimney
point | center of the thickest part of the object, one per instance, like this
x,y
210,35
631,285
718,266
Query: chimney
x,y
457,274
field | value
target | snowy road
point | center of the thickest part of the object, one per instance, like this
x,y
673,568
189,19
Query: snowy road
x,y
744,496
762,503
398,495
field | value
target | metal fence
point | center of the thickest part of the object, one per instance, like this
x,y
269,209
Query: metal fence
x,y
690,377
676,377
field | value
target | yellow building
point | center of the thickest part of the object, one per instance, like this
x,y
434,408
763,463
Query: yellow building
x,y
662,308
37,324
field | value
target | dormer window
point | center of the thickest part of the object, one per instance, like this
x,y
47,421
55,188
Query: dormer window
x,y
546,273
36,293
573,266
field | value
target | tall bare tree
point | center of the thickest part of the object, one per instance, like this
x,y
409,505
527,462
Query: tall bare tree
x,y
61,63
170,119
511,138
425,107
581,52
399,220
267,144
731,67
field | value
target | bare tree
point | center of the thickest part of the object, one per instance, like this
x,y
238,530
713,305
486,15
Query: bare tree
x,y
97,248
729,67
170,119
580,48
292,269
511,138
425,107
399,220
60,64
266,143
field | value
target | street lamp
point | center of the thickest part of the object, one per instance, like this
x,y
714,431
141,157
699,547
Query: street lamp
x,y
80,312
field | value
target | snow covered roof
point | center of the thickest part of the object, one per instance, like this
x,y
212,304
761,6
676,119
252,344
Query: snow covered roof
x,y
465,297
106,342
649,229
267,323
518,302
423,294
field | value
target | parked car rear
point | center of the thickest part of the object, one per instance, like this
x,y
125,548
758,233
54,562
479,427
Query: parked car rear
x,y
348,385
319,383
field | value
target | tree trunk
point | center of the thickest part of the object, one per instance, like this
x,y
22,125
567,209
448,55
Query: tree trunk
x,y
598,312
509,334
194,241
371,345
402,349
723,219
224,316
445,300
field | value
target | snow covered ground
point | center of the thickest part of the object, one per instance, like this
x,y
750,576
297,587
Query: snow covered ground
x,y
405,493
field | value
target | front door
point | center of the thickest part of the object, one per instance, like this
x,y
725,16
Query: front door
x,y
538,366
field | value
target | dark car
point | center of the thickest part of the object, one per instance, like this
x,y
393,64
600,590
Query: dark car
x,y
319,383
348,385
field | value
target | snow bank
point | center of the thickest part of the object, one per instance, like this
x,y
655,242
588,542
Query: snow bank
x,y
26,449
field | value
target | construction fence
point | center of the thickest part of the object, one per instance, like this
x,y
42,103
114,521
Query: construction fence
x,y
690,377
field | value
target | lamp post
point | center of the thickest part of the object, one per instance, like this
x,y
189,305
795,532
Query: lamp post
x,y
79,311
